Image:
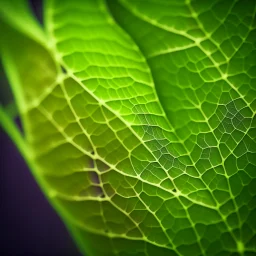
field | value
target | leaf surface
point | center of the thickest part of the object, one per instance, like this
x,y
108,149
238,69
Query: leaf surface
x,y
142,125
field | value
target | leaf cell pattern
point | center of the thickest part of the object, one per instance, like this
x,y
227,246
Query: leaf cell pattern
x,y
142,123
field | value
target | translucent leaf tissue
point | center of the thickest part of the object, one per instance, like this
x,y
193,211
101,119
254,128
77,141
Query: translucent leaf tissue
x,y
139,120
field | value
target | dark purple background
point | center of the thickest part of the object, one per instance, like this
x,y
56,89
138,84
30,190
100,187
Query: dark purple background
x,y
28,224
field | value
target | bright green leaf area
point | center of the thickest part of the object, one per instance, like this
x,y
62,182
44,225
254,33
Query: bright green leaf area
x,y
139,120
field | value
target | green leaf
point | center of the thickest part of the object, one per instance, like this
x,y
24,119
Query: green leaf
x,y
139,120
19,15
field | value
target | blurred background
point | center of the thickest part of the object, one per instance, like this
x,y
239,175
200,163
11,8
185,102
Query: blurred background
x,y
28,224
